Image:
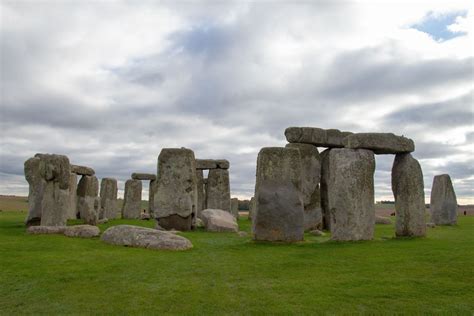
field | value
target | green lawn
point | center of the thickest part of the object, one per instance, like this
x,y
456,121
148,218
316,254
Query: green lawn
x,y
227,274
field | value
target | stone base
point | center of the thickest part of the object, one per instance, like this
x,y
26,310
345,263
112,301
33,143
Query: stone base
x,y
176,222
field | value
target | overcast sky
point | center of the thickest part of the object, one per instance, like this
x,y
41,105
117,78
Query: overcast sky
x,y
111,83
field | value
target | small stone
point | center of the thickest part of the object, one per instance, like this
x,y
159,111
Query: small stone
x,y
145,216
317,232
82,231
199,223
143,176
219,221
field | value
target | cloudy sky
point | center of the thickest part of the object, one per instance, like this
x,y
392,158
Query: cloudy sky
x,y
111,83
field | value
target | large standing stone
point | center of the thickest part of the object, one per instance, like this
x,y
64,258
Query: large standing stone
x,y
380,143
88,203
151,198
55,170
251,208
443,202
278,214
310,175
408,190
36,190
218,190
175,202
132,199
324,189
72,214
108,199
234,207
201,193
316,136
350,193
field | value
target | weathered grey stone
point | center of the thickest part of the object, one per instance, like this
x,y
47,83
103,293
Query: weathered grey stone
x,y
316,136
350,193
430,225
82,170
222,164
204,164
72,211
234,207
219,221
279,215
408,190
218,190
175,201
44,230
151,198
251,208
88,203
132,199
82,231
145,216
199,223
381,220
36,190
201,193
55,203
326,214
310,175
108,199
143,176
134,236
443,202
317,232
380,143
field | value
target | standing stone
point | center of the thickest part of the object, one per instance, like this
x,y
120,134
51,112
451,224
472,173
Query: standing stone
x,y
175,202
132,199
72,214
408,190
201,197
350,193
218,190
108,199
88,203
324,189
278,214
36,190
234,207
443,202
55,170
151,198
251,208
310,175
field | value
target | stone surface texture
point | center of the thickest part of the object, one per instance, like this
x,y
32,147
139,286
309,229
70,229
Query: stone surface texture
x,y
36,190
331,138
443,202
88,203
72,211
143,176
380,143
219,221
218,190
408,190
234,207
82,170
82,231
135,236
44,230
132,199
108,199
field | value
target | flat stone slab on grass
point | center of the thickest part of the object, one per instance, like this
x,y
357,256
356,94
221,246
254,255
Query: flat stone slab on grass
x,y
332,138
143,176
83,231
142,237
219,221
380,143
44,230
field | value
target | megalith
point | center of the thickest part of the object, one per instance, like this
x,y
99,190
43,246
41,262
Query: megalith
x,y
443,202
278,214
72,211
350,193
234,207
175,200
132,199
380,143
88,203
408,190
310,175
218,190
326,221
251,208
55,170
36,189
151,197
108,199
201,193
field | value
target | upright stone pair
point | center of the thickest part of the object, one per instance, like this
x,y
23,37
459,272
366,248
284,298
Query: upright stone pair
x,y
279,208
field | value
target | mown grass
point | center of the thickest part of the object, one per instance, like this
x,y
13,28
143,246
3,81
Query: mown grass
x,y
227,274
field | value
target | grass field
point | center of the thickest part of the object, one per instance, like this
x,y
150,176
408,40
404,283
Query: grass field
x,y
227,274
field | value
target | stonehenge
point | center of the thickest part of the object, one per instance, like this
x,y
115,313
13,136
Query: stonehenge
x,y
132,199
88,203
443,202
234,207
72,211
108,199
175,198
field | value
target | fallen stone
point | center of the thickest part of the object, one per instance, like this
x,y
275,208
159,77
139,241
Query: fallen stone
x,y
88,203
143,176
82,231
219,221
317,232
380,143
381,220
108,199
331,138
350,193
141,237
131,208
408,190
44,230
175,199
443,202
218,190
82,170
